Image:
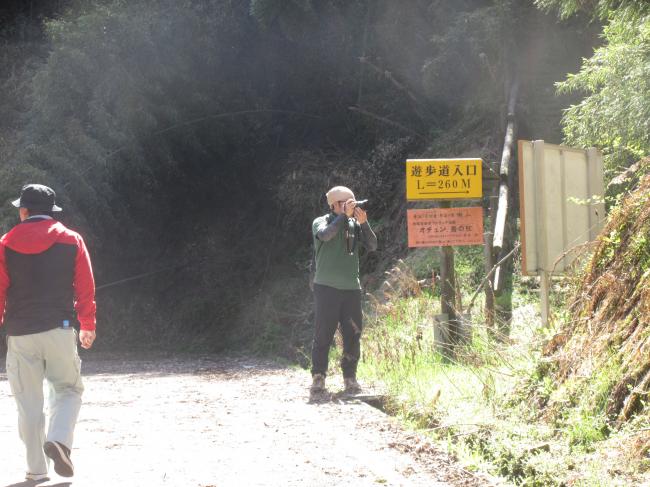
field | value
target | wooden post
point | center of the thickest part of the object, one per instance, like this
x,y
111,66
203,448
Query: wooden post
x,y
448,287
488,251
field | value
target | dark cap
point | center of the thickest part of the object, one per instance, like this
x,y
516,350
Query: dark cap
x,y
36,197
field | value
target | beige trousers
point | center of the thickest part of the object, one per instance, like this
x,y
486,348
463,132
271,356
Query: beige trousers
x,y
50,355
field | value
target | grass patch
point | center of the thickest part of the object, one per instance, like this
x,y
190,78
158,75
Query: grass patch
x,y
496,406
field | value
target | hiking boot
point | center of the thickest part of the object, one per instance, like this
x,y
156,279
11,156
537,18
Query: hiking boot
x,y
318,384
60,455
351,385
37,477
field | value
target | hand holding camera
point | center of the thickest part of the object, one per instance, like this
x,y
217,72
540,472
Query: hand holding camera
x,y
353,208
360,215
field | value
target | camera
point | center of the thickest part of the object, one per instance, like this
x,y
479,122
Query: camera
x,y
361,204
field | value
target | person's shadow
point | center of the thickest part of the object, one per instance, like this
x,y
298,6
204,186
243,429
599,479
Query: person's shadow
x,y
34,483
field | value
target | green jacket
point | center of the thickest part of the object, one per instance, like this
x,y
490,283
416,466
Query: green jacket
x,y
336,250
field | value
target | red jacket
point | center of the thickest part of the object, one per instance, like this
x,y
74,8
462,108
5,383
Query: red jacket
x,y
45,272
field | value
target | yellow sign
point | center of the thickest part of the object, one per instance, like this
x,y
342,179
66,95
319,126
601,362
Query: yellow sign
x,y
443,179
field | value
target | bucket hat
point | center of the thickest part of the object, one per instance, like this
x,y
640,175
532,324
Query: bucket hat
x,y
37,197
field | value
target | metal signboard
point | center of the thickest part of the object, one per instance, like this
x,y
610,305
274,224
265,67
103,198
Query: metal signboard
x,y
442,227
443,179
561,203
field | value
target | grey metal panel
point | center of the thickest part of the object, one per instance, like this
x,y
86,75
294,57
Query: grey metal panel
x,y
527,205
558,211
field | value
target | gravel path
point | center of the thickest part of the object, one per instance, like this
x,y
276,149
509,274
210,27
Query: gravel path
x,y
217,422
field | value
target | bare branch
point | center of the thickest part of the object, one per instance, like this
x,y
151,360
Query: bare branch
x,y
489,274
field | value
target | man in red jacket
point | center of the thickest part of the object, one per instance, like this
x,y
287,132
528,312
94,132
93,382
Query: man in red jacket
x,y
45,276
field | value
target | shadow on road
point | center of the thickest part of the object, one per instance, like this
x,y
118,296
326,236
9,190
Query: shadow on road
x,y
40,483
162,364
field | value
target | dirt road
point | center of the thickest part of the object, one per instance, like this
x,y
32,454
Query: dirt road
x,y
211,421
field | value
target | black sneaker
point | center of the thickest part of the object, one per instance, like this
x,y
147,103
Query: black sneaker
x,y
60,455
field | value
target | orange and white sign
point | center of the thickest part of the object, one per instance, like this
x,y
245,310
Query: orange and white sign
x,y
442,227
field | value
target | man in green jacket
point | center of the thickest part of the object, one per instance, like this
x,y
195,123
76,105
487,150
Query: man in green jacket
x,y
337,289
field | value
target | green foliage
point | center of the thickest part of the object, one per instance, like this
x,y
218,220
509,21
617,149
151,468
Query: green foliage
x,y
600,373
460,401
581,405
470,268
615,114
474,35
203,134
583,429
598,8
132,118
119,78
497,406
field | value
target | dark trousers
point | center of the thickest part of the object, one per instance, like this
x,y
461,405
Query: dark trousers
x,y
334,306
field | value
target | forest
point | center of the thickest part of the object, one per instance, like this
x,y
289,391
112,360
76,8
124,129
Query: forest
x,y
192,142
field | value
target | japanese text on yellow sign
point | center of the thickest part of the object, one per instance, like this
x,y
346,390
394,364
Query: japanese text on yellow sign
x,y
443,179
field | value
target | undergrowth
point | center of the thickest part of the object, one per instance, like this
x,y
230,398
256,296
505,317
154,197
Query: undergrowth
x,y
495,404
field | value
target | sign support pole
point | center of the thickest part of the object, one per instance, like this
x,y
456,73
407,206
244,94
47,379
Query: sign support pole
x,y
448,287
444,227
